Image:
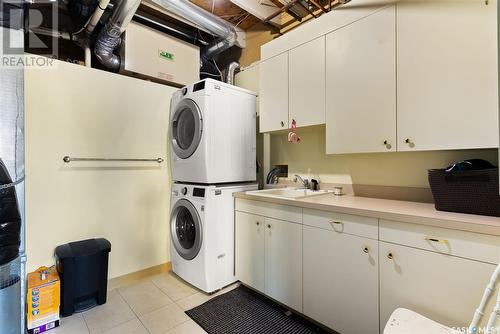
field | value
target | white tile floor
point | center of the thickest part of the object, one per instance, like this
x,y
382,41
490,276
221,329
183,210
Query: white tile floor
x,y
151,306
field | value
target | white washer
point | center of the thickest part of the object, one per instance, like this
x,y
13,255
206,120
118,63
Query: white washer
x,y
212,133
202,234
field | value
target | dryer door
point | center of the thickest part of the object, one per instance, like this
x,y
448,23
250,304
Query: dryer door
x,y
186,128
186,230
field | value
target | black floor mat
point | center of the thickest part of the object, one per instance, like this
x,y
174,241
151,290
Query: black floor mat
x,y
243,311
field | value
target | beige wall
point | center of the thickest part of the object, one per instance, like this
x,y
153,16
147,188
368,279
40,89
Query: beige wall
x,y
255,37
407,169
73,110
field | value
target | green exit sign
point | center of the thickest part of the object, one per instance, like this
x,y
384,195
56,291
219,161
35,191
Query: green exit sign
x,y
166,55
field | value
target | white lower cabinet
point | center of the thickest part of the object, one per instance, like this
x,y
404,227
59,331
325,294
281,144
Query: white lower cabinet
x,y
442,287
249,240
350,273
284,262
269,257
341,281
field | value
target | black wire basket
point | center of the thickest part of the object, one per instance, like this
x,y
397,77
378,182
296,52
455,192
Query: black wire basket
x,y
472,191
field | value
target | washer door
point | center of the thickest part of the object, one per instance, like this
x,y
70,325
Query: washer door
x,y
186,128
185,229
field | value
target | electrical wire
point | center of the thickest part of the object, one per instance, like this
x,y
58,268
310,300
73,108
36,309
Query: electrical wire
x,y
84,26
243,19
212,75
218,69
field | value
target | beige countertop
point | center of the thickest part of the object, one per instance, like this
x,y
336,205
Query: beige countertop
x,y
405,212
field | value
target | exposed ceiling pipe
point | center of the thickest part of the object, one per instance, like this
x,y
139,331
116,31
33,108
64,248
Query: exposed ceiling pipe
x,y
109,36
94,20
231,71
165,27
225,31
168,28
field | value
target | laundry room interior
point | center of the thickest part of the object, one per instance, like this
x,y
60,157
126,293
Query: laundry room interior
x,y
249,166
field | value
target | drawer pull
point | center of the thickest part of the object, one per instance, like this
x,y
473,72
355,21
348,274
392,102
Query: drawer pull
x,y
337,226
257,223
390,256
366,249
333,222
268,225
441,241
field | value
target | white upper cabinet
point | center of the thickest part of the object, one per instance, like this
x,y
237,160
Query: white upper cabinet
x,y
326,23
307,83
447,74
273,85
361,85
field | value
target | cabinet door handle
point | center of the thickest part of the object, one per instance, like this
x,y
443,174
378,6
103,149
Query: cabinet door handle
x,y
337,226
257,223
441,241
366,249
333,222
410,142
268,225
387,144
282,124
390,256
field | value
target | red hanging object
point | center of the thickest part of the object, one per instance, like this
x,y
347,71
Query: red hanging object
x,y
293,137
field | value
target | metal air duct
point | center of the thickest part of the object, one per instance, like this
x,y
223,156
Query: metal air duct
x,y
109,36
231,71
225,31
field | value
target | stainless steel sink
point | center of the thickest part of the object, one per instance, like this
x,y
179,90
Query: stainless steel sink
x,y
288,193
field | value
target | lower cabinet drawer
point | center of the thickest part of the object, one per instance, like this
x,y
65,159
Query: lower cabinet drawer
x,y
342,223
270,210
480,247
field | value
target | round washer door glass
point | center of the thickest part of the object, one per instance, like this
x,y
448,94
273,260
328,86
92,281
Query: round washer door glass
x,y
186,229
186,128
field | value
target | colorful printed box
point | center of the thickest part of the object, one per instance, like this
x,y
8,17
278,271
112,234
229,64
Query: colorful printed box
x,y
43,300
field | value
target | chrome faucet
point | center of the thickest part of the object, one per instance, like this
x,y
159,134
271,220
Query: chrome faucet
x,y
305,182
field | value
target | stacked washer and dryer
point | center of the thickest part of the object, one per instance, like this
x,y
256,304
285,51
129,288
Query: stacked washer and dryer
x,y
213,145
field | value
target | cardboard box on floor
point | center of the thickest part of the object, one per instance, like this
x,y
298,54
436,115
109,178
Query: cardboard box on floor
x,y
43,300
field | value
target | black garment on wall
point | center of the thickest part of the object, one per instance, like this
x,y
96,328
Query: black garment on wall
x,y
10,219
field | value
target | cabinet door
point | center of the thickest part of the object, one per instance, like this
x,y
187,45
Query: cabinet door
x,y
447,74
361,85
249,248
441,287
341,281
307,83
274,93
284,262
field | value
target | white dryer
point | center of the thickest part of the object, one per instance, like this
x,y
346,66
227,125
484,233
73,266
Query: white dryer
x,y
202,234
212,133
